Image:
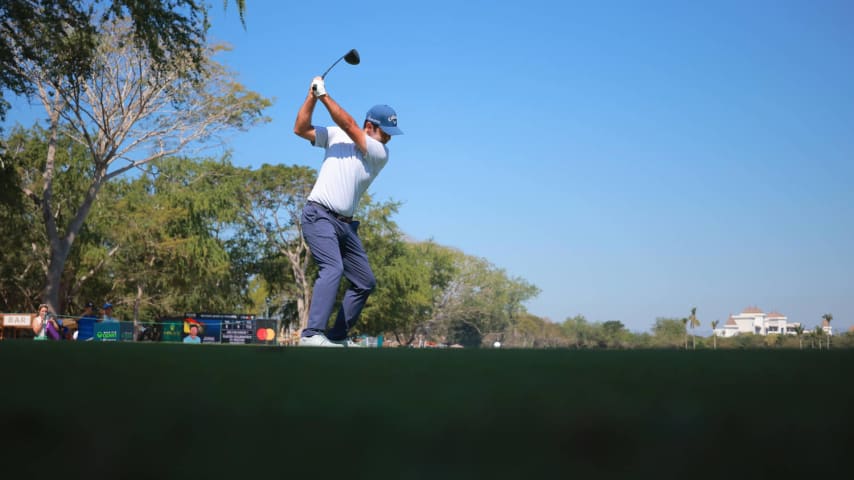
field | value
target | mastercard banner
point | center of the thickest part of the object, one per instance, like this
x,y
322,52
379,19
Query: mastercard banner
x,y
265,332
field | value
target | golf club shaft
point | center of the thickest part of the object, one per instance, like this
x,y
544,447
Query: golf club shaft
x,y
330,68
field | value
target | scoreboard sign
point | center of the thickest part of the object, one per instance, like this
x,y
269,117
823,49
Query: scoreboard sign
x,y
17,320
237,331
222,327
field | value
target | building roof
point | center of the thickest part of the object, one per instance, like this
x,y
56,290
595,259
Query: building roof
x,y
731,321
776,314
752,310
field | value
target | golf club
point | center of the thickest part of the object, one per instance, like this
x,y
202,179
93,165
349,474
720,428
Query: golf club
x,y
351,57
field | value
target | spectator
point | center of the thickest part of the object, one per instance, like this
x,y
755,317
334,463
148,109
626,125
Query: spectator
x,y
44,325
193,337
65,327
108,314
86,323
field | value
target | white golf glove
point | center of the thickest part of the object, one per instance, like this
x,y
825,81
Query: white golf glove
x,y
318,87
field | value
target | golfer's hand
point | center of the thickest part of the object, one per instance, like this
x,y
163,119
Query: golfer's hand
x,y
318,87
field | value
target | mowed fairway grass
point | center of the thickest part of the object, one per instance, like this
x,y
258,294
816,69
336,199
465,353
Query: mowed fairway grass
x,y
125,410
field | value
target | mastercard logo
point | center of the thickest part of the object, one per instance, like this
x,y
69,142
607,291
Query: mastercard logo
x,y
265,334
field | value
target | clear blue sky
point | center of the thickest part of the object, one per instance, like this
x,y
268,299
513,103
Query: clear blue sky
x,y
631,159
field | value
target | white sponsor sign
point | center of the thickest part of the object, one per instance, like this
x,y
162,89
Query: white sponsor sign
x,y
17,320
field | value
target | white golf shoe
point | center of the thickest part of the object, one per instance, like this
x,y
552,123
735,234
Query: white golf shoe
x,y
347,342
318,340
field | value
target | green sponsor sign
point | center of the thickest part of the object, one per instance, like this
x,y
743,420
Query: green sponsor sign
x,y
113,332
172,331
106,332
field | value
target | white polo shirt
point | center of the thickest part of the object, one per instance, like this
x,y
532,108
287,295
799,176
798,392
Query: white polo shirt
x,y
345,173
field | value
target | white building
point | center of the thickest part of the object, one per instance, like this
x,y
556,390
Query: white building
x,y
755,321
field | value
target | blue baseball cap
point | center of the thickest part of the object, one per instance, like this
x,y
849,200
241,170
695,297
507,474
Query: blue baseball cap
x,y
107,305
385,117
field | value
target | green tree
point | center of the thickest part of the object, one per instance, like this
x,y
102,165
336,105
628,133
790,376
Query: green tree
x,y
577,330
402,303
128,111
20,269
615,334
827,317
403,289
530,331
685,330
715,333
817,334
483,296
28,253
62,36
168,237
271,200
693,322
799,331
668,332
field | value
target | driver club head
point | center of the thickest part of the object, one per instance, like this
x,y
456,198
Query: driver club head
x,y
352,57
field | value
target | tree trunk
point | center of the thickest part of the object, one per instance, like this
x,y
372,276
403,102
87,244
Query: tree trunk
x,y
136,303
60,245
58,248
53,278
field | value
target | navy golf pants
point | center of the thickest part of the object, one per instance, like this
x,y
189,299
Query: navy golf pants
x,y
337,250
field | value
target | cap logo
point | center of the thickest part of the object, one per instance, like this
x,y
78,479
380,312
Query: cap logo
x,y
393,120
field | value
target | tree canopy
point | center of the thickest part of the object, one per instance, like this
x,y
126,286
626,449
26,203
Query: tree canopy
x,y
63,35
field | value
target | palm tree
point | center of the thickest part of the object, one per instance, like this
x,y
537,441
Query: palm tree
x,y
818,332
715,333
684,323
828,317
799,331
693,322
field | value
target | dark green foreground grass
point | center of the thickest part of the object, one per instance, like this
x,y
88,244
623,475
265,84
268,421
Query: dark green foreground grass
x,y
156,411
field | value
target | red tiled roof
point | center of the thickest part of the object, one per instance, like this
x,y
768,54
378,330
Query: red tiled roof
x,y
752,310
731,321
776,314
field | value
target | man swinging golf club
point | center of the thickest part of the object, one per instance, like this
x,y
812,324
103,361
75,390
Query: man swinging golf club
x,y
354,157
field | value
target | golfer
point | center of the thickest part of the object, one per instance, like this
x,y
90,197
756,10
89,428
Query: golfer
x,y
354,157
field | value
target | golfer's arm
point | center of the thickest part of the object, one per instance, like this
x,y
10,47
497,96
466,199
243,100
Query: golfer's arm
x,y
346,122
303,127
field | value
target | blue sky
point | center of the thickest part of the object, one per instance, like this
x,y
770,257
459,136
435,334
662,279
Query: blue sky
x,y
631,159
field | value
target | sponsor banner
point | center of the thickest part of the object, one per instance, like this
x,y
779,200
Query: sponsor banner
x,y
237,331
209,327
17,320
113,332
265,332
172,331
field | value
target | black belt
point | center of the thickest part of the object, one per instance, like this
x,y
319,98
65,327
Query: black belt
x,y
332,212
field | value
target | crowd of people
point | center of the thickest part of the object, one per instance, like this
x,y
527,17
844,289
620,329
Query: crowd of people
x,y
47,326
